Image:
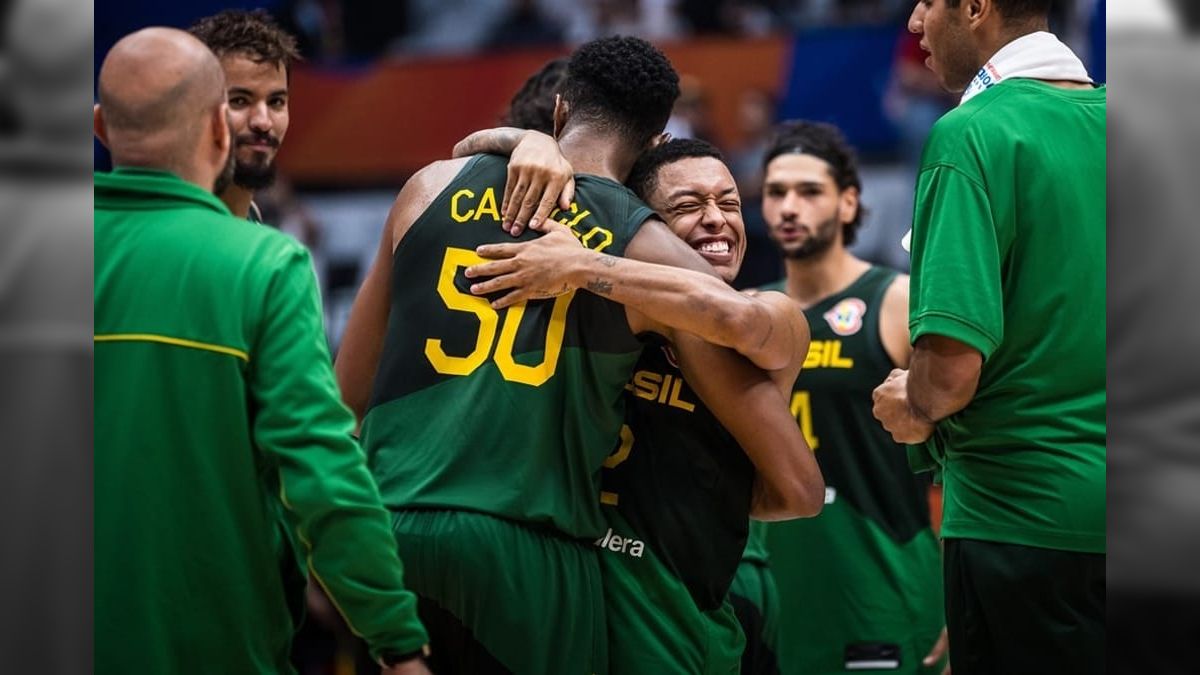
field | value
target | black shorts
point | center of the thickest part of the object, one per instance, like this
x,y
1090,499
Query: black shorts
x,y
1019,609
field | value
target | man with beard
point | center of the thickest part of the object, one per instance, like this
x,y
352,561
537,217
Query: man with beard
x,y
225,472
870,562
1005,394
257,56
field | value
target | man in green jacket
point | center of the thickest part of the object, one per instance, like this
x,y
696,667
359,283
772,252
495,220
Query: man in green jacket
x,y
224,466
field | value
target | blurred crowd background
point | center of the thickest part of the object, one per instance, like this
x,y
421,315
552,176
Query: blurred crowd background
x,y
387,87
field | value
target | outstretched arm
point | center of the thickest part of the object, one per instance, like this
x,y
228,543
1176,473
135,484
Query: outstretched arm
x,y
327,497
762,327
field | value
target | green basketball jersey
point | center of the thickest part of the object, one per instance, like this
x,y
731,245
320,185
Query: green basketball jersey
x,y
861,582
677,500
512,412
679,480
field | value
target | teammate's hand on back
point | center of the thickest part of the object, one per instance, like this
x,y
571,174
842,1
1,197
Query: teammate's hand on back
x,y
538,178
538,268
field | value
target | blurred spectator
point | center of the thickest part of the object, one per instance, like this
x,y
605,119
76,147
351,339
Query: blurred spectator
x,y
317,25
371,27
525,25
446,26
756,115
647,19
690,117
914,100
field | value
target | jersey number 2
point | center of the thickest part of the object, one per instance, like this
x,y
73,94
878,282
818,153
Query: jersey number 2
x,y
489,319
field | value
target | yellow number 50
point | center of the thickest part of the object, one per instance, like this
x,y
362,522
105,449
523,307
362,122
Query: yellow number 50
x,y
454,299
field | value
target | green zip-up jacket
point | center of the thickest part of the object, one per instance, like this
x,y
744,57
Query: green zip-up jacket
x,y
224,463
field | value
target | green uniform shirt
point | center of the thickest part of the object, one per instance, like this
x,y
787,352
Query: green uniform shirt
x,y
677,494
1009,257
224,465
512,412
863,577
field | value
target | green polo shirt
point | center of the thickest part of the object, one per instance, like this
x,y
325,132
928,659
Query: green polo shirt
x,y
224,464
1009,257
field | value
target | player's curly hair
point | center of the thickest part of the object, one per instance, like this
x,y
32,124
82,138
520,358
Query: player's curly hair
x,y
532,107
254,34
825,142
622,84
643,179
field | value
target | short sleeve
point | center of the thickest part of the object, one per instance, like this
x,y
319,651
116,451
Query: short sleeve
x,y
956,259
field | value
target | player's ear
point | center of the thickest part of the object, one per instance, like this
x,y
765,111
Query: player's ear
x,y
98,125
977,11
221,128
561,108
658,140
848,205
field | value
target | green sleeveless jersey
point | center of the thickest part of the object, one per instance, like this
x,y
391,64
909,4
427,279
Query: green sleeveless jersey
x,y
512,412
678,484
861,582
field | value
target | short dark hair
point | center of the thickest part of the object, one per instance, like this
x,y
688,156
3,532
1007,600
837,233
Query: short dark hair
x,y
825,142
643,179
532,107
254,34
622,84
1016,9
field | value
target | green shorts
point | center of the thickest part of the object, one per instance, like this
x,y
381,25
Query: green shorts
x,y
498,597
654,625
755,600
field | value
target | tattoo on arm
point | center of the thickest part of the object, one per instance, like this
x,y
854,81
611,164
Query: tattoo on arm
x,y
497,140
600,286
608,260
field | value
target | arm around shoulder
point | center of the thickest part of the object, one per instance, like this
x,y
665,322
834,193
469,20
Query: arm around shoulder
x,y
674,286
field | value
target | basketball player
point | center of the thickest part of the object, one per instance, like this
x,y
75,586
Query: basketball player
x,y
870,563
486,429
257,56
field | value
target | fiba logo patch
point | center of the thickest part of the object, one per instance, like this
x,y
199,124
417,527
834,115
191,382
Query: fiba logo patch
x,y
846,317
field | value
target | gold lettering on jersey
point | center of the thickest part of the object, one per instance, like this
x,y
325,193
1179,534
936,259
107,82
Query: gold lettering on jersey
x,y
454,211
595,237
486,206
660,388
826,354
